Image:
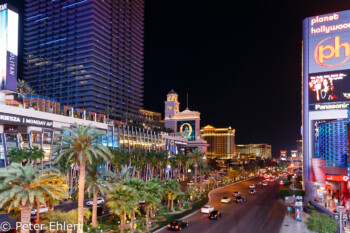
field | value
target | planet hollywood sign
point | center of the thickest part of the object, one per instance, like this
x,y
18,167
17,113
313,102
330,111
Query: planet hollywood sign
x,y
22,120
337,178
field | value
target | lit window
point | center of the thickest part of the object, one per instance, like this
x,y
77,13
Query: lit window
x,y
170,108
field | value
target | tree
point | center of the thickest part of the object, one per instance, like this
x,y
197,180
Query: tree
x,y
195,159
211,181
17,155
50,201
121,201
153,195
35,153
21,186
22,155
171,190
96,183
321,223
23,88
139,186
64,218
109,111
284,192
84,147
191,193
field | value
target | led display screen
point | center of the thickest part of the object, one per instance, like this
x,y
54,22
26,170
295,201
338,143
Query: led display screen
x,y
8,48
187,128
326,61
329,87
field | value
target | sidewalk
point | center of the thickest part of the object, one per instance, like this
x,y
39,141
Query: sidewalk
x,y
290,225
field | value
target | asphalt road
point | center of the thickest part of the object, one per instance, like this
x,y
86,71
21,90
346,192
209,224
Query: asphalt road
x,y
262,212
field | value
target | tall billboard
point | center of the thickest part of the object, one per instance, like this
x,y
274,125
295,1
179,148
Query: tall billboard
x,y
8,47
327,63
187,128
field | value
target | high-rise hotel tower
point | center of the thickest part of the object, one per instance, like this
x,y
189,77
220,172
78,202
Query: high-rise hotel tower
x,y
86,53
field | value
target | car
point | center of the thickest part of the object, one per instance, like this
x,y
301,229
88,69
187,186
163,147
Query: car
x,y
236,193
240,199
207,209
265,183
100,201
281,182
42,209
252,191
216,215
177,225
252,186
225,199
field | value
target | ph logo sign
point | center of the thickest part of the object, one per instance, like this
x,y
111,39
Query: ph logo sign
x,y
328,52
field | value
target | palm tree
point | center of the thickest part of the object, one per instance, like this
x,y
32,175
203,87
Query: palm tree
x,y
108,111
21,186
125,172
203,168
139,186
153,195
211,181
181,162
119,158
23,88
50,201
84,147
121,201
191,193
195,159
64,218
162,159
97,184
171,190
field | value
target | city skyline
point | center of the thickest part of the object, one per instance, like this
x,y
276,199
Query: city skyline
x,y
247,104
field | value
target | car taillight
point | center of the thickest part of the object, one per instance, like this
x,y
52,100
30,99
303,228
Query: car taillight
x,y
216,215
169,225
176,227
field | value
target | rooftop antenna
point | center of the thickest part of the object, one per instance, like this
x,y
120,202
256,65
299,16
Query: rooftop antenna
x,y
187,100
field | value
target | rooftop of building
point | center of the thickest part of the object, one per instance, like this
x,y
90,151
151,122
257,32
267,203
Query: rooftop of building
x,y
212,128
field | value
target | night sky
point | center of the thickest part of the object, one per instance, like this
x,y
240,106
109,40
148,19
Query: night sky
x,y
239,62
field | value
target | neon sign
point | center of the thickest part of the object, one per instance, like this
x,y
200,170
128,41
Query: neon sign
x,y
329,51
337,178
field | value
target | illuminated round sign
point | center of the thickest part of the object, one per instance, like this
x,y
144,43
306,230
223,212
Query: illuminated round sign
x,y
322,53
186,129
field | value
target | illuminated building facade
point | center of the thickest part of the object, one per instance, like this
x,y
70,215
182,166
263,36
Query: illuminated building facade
x,y
221,142
8,49
262,150
331,143
299,150
86,53
185,123
22,126
326,90
150,115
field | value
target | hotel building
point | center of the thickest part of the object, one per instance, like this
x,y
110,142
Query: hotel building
x,y
86,54
262,150
185,123
221,142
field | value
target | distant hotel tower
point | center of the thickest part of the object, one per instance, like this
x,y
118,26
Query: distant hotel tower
x,y
86,53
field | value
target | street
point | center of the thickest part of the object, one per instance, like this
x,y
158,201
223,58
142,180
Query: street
x,y
262,212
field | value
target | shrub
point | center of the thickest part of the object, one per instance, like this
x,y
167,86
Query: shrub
x,y
284,192
299,193
187,206
176,208
311,207
321,223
